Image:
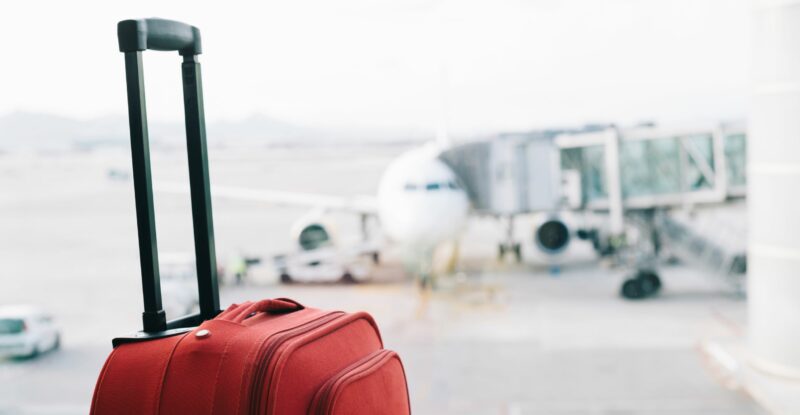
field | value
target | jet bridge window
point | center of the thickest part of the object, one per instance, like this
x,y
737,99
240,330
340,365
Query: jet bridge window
x,y
666,165
736,158
590,162
698,162
650,166
432,186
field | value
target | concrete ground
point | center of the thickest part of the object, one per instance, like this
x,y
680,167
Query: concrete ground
x,y
522,342
517,341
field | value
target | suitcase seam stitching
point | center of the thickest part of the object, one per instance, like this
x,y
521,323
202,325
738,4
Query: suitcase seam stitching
x,y
96,398
351,373
361,315
219,370
279,361
244,372
160,388
382,357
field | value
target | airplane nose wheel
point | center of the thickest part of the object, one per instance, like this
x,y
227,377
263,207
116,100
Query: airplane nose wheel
x,y
286,278
512,248
644,284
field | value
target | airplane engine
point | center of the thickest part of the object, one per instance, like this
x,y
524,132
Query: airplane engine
x,y
313,236
552,235
319,256
313,232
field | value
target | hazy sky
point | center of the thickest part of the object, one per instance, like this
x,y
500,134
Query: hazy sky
x,y
377,64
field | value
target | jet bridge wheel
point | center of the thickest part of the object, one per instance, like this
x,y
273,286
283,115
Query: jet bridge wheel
x,y
650,280
632,289
644,284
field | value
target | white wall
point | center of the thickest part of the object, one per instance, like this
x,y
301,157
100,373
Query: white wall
x,y
773,188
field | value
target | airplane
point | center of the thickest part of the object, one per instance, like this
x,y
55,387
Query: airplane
x,y
426,195
420,205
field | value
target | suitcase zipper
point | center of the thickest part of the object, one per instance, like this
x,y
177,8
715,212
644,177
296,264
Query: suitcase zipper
x,y
268,352
322,400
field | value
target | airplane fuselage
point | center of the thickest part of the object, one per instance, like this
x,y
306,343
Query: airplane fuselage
x,y
420,201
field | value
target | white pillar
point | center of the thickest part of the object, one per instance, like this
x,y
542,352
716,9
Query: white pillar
x,y
774,188
614,183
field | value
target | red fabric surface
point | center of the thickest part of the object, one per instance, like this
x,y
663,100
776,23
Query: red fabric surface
x,y
306,363
375,385
130,382
279,347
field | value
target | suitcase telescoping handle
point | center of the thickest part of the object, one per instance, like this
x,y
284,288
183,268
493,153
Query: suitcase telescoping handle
x,y
136,36
158,34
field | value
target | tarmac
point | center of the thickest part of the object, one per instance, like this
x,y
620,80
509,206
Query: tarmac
x,y
511,342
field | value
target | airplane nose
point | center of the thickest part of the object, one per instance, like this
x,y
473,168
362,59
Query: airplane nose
x,y
426,222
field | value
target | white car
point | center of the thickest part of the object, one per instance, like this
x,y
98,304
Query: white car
x,y
26,331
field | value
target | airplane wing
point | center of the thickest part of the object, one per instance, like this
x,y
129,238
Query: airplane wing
x,y
362,204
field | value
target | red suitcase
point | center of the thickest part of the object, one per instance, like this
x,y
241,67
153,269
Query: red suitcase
x,y
266,357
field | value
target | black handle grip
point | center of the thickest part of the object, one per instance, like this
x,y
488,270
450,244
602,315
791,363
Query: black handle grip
x,y
158,34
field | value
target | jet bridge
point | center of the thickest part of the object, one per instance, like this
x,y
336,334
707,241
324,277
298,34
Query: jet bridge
x,y
614,171
602,169
656,167
512,174
670,184
509,174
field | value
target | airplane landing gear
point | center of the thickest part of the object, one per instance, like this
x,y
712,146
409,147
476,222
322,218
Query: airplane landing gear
x,y
514,248
509,246
644,284
347,278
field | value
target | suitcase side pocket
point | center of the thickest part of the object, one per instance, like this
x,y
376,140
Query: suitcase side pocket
x,y
375,384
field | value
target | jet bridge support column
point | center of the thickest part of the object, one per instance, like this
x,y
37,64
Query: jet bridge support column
x,y
773,184
614,183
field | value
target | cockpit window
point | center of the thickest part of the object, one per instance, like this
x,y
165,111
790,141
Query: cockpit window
x,y
433,186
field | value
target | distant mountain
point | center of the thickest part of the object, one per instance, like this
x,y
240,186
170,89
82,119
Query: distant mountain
x,y
52,132
260,129
40,131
